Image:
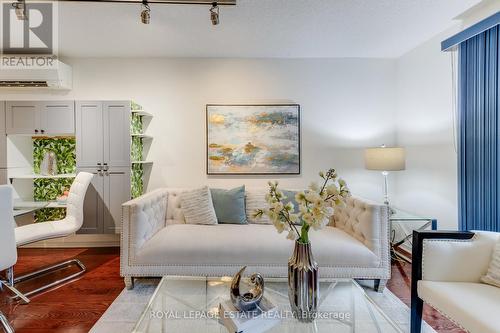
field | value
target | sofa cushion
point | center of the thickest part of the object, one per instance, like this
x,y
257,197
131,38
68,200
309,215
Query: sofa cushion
x,y
493,275
229,205
256,199
197,206
474,306
184,244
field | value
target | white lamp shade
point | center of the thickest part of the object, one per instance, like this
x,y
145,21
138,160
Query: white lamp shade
x,y
385,159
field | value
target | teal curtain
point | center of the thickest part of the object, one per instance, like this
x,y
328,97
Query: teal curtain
x,y
478,131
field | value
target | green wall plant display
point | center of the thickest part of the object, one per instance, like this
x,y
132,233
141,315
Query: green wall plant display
x,y
136,149
48,189
136,124
136,181
64,148
134,106
45,189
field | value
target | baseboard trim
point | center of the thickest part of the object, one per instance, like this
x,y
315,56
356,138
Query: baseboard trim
x,y
78,240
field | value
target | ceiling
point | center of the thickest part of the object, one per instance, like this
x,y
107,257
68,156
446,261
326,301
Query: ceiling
x,y
256,28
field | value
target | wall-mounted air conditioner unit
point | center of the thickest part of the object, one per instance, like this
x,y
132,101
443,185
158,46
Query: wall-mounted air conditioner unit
x,y
54,75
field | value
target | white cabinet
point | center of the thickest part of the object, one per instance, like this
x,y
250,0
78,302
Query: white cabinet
x,y
89,134
40,117
103,134
23,117
117,133
104,199
57,117
3,137
116,192
103,148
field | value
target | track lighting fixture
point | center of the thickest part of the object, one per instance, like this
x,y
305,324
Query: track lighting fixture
x,y
20,7
146,12
214,13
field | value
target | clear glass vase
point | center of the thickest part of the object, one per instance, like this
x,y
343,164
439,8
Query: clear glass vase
x,y
303,283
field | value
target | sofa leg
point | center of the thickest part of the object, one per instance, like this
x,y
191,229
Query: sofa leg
x,y
417,306
129,282
379,285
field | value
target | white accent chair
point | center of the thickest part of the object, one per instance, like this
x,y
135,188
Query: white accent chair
x,y
55,229
156,241
8,250
446,270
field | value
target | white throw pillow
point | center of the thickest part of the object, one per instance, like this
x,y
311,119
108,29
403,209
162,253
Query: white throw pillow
x,y
493,275
256,200
197,206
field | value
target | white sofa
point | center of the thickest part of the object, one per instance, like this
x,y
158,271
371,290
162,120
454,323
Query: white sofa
x,y
446,273
156,241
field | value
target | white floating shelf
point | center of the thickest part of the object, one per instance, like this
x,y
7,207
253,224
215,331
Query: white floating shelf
x,y
143,136
35,176
142,162
142,113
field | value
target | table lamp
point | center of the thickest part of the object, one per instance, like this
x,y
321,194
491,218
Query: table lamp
x,y
385,159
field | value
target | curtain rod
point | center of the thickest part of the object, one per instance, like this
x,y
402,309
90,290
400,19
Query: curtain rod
x,y
470,32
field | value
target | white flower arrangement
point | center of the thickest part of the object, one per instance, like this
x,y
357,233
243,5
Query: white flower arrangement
x,y
316,206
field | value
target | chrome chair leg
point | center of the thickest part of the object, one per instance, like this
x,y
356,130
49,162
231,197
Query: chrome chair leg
x,y
49,269
9,284
5,324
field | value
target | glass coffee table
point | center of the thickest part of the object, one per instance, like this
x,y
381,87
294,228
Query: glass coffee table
x,y
191,305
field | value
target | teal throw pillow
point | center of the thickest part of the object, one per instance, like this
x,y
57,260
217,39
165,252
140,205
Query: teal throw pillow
x,y
229,205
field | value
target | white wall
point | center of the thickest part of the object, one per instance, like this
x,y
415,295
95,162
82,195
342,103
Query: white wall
x,y
346,104
425,127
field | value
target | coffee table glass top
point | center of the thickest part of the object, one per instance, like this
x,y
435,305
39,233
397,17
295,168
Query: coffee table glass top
x,y
191,305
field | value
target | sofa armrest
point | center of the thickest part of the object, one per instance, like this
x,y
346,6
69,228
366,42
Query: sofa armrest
x,y
142,218
367,222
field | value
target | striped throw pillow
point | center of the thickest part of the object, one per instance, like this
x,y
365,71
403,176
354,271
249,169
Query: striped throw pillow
x,y
493,275
197,206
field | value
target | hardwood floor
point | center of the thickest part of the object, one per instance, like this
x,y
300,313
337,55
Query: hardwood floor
x,y
76,306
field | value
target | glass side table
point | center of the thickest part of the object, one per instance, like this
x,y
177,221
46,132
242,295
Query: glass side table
x,y
402,226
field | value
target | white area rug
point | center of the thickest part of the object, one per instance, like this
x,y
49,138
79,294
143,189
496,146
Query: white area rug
x,y
122,315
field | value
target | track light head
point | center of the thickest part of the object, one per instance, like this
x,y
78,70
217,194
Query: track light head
x,y
146,12
214,13
20,7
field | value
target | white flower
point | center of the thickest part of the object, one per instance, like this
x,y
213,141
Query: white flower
x,y
314,187
332,189
291,235
300,197
312,196
294,218
280,226
289,206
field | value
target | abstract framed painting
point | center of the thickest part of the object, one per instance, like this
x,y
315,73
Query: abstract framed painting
x,y
253,139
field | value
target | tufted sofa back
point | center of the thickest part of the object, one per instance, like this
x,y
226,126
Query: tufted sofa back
x,y
366,221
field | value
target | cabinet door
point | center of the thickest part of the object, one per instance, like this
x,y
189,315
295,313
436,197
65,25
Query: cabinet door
x,y
3,137
116,192
23,117
58,117
93,206
89,134
117,133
